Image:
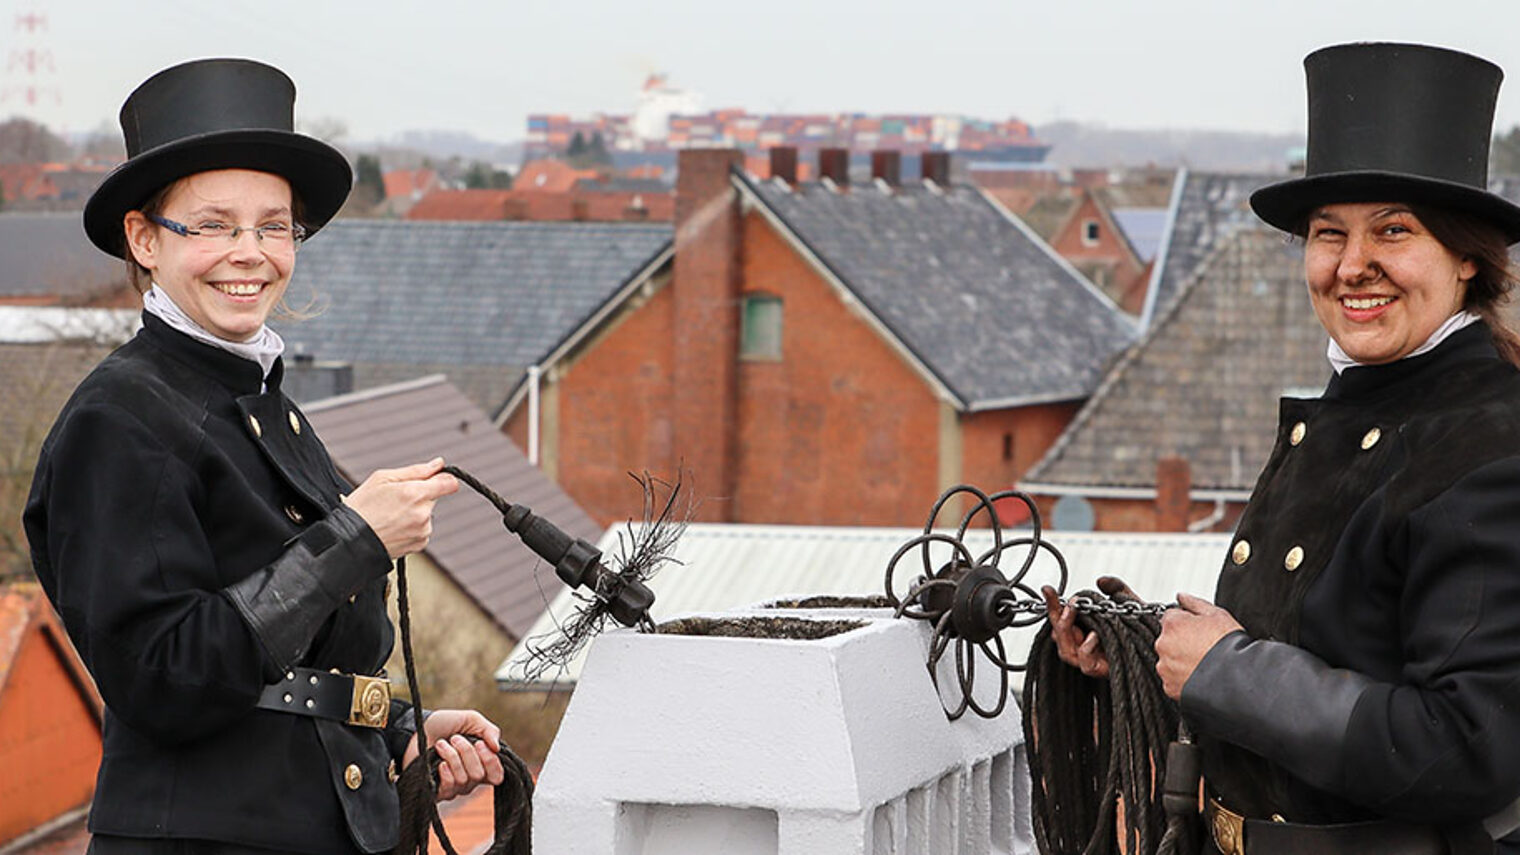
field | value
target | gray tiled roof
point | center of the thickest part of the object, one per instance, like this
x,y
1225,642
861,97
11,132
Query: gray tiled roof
x,y
1211,207
482,297
412,422
1205,381
49,254
985,305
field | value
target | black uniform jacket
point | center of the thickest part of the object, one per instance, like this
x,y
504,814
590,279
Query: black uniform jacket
x,y
188,529
1377,574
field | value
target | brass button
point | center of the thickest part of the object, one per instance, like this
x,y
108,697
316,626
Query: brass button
x,y
352,776
1276,817
1297,434
1241,553
295,423
295,514
1294,558
352,597
1371,438
254,423
390,772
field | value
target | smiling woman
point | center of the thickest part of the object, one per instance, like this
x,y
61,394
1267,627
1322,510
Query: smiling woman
x,y
225,586
224,276
1380,282
1356,688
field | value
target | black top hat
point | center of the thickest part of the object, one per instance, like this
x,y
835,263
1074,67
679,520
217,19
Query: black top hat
x,y
1395,123
214,114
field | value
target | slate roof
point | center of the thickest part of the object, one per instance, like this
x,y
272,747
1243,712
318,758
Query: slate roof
x,y
1143,227
1208,207
477,301
48,254
1205,381
983,303
411,422
726,566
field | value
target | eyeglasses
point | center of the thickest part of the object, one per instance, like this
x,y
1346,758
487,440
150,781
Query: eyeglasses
x,y
277,235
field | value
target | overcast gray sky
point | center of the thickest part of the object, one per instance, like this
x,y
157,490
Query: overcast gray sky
x,y
383,66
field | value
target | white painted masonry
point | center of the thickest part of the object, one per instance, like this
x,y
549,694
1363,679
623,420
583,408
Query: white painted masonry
x,y
691,745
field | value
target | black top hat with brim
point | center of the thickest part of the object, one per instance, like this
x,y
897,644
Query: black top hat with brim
x,y
1395,123
214,114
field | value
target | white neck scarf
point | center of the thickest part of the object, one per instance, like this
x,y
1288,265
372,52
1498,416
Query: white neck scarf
x,y
1461,320
264,348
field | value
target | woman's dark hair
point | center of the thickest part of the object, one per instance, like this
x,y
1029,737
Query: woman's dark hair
x,y
1490,289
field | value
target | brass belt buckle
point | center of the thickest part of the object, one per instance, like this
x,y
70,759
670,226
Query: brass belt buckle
x,y
371,704
1228,828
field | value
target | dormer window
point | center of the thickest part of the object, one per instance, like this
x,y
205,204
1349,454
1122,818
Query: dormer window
x,y
1090,233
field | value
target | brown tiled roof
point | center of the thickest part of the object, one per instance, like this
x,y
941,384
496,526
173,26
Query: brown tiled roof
x,y
405,183
23,608
461,205
1205,381
589,202
552,176
412,422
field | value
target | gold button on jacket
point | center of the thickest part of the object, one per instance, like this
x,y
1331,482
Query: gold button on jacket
x,y
353,776
1241,553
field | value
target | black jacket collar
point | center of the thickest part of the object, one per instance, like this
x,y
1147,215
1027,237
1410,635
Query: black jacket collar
x,y
241,376
1365,382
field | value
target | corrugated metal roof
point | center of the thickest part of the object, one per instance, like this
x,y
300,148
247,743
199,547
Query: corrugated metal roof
x,y
48,324
729,566
412,422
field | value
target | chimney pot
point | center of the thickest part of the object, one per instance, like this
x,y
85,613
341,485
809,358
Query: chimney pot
x,y
834,164
1174,480
784,163
936,167
887,166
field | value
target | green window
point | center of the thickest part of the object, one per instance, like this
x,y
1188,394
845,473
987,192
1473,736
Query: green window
x,y
760,336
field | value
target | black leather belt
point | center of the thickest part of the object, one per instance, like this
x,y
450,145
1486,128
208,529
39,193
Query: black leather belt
x,y
1236,835
350,698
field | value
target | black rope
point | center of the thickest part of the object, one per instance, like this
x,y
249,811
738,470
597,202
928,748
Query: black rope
x,y
620,596
1093,743
418,785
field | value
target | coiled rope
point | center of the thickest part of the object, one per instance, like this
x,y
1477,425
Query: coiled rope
x,y
1094,743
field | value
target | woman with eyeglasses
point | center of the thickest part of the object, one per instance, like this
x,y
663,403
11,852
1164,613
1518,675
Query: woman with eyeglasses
x,y
226,588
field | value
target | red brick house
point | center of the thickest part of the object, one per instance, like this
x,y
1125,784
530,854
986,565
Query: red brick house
x,y
823,353
50,743
1095,244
